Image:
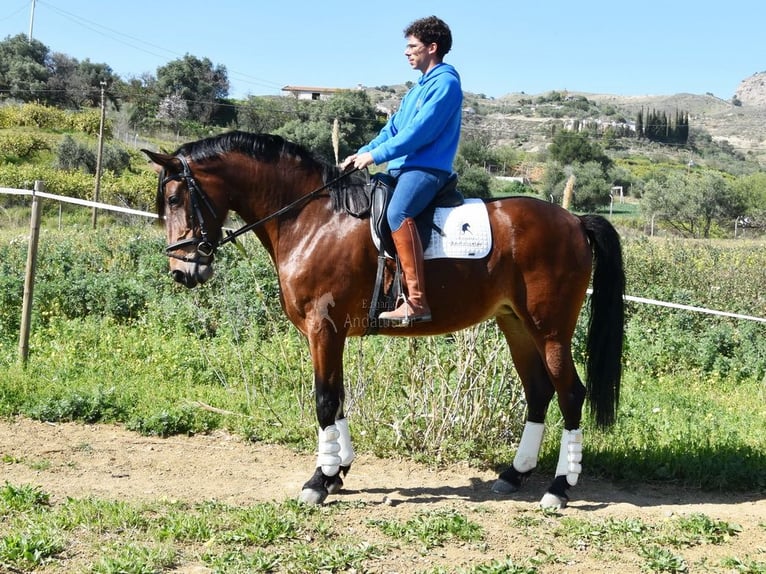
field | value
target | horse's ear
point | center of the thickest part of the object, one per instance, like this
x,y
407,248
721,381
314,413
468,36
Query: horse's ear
x,y
159,160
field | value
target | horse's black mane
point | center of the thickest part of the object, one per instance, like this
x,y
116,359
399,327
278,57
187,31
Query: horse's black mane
x,y
270,148
263,147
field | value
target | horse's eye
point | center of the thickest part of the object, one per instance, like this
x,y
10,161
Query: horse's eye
x,y
174,200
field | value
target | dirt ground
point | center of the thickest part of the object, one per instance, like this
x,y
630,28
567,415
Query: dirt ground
x,y
109,462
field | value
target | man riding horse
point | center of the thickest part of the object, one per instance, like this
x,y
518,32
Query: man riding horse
x,y
419,143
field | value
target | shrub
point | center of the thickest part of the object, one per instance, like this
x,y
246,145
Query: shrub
x,y
74,156
44,117
21,145
501,188
713,275
115,158
475,182
134,189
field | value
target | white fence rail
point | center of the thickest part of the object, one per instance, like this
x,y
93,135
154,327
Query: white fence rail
x,y
83,202
695,309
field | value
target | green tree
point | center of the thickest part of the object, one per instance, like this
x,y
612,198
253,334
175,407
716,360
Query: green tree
x,y
475,149
316,136
573,153
508,158
751,189
30,72
24,69
313,126
74,85
592,186
474,181
656,126
259,114
592,189
570,147
554,179
358,120
691,203
140,100
201,84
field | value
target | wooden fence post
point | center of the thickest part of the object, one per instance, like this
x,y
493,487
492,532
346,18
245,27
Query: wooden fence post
x,y
29,278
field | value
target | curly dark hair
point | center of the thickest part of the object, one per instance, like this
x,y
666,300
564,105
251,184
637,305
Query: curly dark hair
x,y
431,30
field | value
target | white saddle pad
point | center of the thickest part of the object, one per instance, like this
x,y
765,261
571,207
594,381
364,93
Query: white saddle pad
x,y
465,232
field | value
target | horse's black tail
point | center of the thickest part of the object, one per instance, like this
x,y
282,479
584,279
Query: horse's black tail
x,y
607,320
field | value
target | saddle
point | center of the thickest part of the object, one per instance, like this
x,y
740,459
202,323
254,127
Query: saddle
x,y
382,188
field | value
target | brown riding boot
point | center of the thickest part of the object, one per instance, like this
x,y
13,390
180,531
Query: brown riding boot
x,y
415,308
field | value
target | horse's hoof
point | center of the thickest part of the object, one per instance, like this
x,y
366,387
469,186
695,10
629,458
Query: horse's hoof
x,y
510,481
313,497
504,487
334,486
552,501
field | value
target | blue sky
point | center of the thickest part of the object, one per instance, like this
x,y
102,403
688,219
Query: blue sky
x,y
500,46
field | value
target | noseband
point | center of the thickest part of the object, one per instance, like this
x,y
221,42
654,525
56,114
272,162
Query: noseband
x,y
205,247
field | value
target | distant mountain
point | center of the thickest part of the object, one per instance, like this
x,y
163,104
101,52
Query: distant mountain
x,y
752,90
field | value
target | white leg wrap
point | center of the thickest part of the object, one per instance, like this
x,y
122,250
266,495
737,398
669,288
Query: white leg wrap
x,y
328,452
529,447
570,456
346,450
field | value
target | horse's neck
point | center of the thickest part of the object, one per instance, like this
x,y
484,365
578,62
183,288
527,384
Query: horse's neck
x,y
282,234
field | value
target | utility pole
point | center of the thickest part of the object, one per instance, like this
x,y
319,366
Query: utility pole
x,y
97,187
31,22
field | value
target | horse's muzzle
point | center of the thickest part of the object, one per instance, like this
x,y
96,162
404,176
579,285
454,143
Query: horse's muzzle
x,y
191,275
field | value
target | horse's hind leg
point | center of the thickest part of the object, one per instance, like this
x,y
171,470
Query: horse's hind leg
x,y
571,396
538,392
545,367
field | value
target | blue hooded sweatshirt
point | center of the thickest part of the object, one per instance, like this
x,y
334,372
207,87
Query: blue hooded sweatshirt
x,y
425,131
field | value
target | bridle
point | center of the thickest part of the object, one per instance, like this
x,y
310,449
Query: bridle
x,y
205,246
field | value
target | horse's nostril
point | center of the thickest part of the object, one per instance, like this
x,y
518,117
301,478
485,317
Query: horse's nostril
x,y
178,276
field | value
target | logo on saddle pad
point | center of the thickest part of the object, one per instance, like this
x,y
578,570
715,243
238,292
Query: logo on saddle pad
x,y
461,232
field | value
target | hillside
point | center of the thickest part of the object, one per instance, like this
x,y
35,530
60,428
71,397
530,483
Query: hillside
x,y
512,120
741,126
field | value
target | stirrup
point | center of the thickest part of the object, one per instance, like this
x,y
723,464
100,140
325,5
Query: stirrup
x,y
408,320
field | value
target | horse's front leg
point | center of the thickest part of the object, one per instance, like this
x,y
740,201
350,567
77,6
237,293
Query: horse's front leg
x,y
335,452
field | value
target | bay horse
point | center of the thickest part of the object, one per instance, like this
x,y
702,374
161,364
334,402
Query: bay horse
x,y
533,282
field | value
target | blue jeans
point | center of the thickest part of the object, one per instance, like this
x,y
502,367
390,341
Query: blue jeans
x,y
415,189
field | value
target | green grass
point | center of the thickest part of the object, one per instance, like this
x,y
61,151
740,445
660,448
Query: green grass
x,y
432,529
118,537
21,498
697,433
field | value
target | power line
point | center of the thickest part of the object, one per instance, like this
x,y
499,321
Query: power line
x,y
14,13
144,46
126,39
